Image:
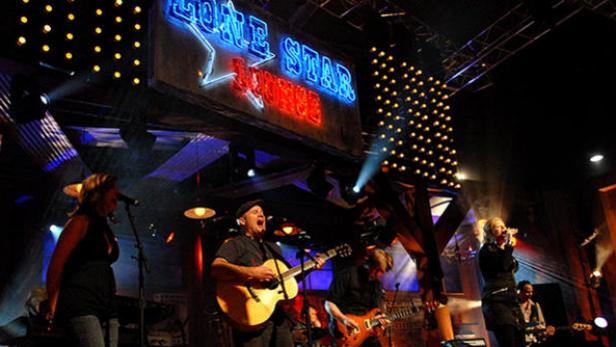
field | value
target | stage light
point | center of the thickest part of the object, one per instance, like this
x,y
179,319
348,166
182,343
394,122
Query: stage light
x,y
595,158
351,194
600,322
170,237
118,19
136,81
99,12
25,1
137,44
96,68
28,103
117,74
45,48
97,49
595,279
23,19
46,28
118,37
21,41
55,231
70,17
68,55
137,26
251,173
136,62
117,56
118,3
137,10
48,8
69,36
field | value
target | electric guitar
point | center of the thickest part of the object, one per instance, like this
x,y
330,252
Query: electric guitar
x,y
249,305
368,326
536,335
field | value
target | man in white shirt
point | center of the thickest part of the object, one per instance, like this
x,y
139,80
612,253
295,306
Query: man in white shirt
x,y
537,331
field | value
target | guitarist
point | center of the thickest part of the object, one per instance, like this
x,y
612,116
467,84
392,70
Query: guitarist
x,y
533,316
357,289
240,259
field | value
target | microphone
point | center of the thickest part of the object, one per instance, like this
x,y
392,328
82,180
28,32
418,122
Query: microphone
x,y
128,200
275,220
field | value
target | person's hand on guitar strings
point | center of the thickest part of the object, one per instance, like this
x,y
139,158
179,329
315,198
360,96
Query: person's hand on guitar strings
x,y
262,274
320,261
349,323
383,320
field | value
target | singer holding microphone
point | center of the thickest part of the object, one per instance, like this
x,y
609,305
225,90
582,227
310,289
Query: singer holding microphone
x,y
80,281
500,306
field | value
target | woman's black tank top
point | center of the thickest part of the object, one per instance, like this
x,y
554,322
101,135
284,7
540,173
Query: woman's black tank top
x,y
88,284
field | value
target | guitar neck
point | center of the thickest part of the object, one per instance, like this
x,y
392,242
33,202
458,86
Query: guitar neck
x,y
399,314
308,265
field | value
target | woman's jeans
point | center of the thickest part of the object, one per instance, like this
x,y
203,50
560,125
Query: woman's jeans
x,y
89,331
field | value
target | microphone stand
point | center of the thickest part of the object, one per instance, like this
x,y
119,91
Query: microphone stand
x,y
305,307
142,263
391,305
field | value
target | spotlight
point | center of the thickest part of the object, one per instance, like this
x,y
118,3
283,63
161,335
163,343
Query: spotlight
x,y
170,237
251,173
600,322
55,231
352,194
596,158
595,279
28,103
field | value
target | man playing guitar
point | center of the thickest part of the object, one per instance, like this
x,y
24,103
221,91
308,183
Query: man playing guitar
x,y
240,259
536,330
355,291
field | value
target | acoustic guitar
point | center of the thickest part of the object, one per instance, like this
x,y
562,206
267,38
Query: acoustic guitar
x,y
250,305
368,326
536,335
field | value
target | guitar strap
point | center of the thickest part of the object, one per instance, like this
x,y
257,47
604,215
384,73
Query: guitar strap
x,y
265,248
534,313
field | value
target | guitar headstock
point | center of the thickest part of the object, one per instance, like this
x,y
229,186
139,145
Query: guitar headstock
x,y
343,250
581,327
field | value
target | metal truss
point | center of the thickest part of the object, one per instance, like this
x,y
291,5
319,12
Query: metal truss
x,y
469,64
504,38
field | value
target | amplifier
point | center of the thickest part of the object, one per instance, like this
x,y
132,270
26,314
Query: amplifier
x,y
464,343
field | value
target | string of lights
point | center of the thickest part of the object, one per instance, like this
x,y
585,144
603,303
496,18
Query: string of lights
x,y
415,131
75,36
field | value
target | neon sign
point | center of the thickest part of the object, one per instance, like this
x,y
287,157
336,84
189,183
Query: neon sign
x,y
286,96
216,23
299,60
210,17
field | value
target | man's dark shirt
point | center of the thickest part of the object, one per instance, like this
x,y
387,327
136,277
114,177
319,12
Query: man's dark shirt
x,y
353,292
244,251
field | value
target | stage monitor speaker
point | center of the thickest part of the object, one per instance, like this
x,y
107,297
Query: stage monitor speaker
x,y
480,342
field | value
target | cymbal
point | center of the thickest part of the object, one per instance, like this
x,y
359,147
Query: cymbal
x,y
199,213
72,190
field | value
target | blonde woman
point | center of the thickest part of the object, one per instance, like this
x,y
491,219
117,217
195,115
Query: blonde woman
x,y
499,299
80,280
